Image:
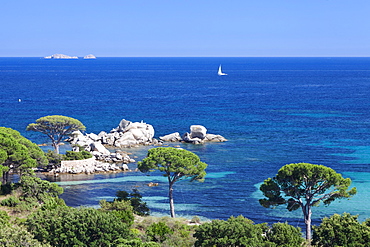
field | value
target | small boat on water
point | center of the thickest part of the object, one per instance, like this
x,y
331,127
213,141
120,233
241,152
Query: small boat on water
x,y
220,71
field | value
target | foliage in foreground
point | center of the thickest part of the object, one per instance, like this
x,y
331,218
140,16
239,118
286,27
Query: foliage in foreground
x,y
243,232
166,231
17,153
14,236
32,193
121,209
54,224
342,230
66,226
139,207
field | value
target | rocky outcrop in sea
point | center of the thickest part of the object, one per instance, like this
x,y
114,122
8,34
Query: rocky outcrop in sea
x,y
198,135
133,134
126,134
60,56
90,56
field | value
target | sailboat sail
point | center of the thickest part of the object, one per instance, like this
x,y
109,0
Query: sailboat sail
x,y
220,71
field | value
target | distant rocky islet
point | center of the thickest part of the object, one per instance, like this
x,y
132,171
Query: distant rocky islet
x,y
62,56
127,134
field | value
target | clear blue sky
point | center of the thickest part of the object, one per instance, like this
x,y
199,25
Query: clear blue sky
x,y
247,28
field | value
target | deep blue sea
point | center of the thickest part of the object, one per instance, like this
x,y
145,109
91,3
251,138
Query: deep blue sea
x,y
273,111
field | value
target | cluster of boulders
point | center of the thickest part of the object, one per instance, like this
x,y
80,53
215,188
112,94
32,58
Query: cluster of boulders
x,y
127,134
97,149
198,134
131,134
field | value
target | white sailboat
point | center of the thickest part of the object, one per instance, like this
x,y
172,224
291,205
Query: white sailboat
x,y
220,71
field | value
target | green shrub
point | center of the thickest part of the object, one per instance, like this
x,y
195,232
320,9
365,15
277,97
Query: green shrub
x,y
66,226
158,232
71,155
54,158
243,232
139,207
237,231
29,205
134,243
121,209
181,236
41,190
7,188
52,203
285,235
341,230
11,201
14,236
4,218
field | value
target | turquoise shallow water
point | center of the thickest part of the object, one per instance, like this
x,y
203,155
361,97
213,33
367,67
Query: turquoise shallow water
x,y
273,111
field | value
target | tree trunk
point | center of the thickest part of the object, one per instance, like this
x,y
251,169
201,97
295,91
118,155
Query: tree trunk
x,y
5,177
56,147
307,219
170,196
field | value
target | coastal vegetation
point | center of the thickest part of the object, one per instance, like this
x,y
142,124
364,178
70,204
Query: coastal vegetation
x,y
56,128
115,224
240,231
18,154
304,185
176,164
32,214
342,230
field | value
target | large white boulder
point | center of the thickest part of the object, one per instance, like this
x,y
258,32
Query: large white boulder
x,y
122,126
198,131
132,133
174,137
93,137
215,138
97,146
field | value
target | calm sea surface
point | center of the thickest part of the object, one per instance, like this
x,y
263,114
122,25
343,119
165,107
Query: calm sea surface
x,y
273,111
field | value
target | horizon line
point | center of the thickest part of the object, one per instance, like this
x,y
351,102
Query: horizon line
x,y
78,57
